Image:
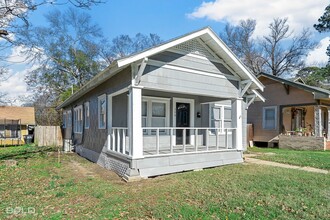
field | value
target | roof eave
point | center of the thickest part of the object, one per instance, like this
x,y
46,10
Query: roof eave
x,y
96,80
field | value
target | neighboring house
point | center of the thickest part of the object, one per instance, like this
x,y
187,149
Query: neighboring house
x,y
15,122
177,106
300,112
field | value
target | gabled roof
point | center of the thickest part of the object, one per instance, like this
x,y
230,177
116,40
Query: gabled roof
x,y
25,114
206,35
318,92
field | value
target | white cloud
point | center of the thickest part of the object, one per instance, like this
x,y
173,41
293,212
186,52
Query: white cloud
x,y
15,85
17,55
318,57
300,14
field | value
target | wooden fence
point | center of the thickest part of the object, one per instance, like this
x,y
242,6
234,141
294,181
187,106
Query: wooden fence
x,y
48,136
250,135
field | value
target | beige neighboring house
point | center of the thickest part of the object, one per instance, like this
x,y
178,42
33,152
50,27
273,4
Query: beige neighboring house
x,y
294,115
15,122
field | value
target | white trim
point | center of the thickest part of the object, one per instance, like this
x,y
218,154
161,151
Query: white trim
x,y
135,121
160,48
252,98
206,31
222,119
77,117
150,100
141,70
263,117
64,118
259,95
246,87
237,121
191,119
86,106
100,98
190,70
121,91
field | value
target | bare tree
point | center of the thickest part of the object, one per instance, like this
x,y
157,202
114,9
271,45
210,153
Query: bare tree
x,y
277,53
14,11
282,52
124,45
239,39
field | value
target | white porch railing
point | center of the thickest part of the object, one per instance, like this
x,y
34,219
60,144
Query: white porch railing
x,y
118,140
174,140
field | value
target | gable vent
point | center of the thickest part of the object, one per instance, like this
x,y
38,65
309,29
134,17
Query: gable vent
x,y
195,47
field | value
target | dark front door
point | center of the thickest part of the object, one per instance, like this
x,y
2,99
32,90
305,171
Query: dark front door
x,y
182,120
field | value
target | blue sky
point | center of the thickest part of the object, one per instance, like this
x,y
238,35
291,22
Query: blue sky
x,y
172,18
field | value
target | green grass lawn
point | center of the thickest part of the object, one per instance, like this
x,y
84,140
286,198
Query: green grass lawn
x,y
77,188
317,159
23,151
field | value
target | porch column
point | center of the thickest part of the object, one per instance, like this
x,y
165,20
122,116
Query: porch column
x,y
109,122
237,122
135,122
318,121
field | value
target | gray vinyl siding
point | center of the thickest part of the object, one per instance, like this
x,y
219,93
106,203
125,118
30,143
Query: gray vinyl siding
x,y
186,82
192,62
95,138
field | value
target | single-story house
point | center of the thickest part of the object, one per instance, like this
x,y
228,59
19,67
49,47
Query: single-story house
x,y
178,106
294,115
15,122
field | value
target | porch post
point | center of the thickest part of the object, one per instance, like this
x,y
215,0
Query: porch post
x,y
317,121
134,122
237,122
109,122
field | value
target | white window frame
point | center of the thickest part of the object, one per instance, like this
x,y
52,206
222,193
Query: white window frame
x,y
64,119
87,116
78,119
222,118
99,99
151,100
264,117
69,115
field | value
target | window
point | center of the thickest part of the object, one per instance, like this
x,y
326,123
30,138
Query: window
x,y
269,118
102,107
220,117
86,116
69,115
155,112
78,119
64,119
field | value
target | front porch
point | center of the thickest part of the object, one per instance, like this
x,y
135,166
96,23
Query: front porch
x,y
169,132
305,127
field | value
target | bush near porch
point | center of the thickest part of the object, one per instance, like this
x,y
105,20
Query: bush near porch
x,y
77,188
317,159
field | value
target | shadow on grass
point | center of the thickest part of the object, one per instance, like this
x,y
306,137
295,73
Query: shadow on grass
x,y
24,152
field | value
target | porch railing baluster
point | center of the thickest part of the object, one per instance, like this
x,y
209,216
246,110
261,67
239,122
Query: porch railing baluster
x,y
123,142
226,138
171,140
157,141
118,141
196,140
207,139
184,140
216,139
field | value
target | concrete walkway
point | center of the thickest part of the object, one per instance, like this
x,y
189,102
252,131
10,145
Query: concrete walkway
x,y
250,159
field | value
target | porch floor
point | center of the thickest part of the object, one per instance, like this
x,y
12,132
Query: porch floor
x,y
180,149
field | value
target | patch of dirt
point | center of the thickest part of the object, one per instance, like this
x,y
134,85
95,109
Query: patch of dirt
x,y
84,169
